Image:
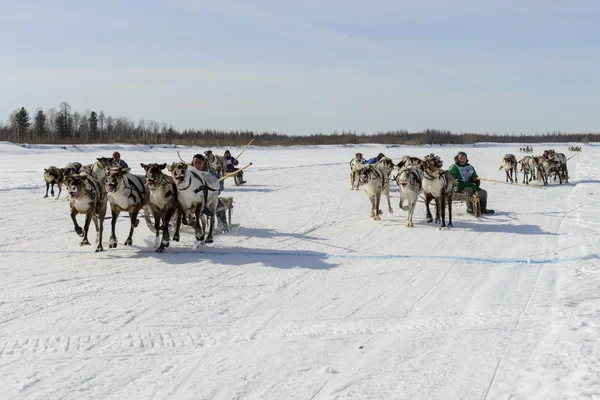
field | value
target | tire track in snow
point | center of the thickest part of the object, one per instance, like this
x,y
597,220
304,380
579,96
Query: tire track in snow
x,y
120,334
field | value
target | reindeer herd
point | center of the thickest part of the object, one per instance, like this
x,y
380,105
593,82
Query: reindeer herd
x,y
550,165
413,176
190,197
416,176
187,194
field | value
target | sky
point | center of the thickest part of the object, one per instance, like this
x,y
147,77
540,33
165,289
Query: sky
x,y
311,66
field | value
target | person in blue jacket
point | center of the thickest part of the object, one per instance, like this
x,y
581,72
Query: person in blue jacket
x,y
199,162
375,160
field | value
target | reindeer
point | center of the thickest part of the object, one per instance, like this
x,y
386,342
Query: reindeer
x,y
509,165
355,165
561,159
54,176
87,196
376,181
126,192
216,163
163,202
408,161
197,192
99,167
439,185
410,182
528,166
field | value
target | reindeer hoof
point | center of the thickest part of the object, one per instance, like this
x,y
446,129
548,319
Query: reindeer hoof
x,y
99,249
377,218
128,242
112,245
79,231
176,238
45,196
84,242
160,250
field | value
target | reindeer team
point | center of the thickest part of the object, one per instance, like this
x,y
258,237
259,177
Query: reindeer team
x,y
187,193
416,176
192,195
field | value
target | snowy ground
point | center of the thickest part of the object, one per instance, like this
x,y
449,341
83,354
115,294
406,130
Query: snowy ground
x,y
309,298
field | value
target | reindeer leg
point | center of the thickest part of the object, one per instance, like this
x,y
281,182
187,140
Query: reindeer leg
x,y
429,218
78,229
177,226
47,187
387,194
443,210
112,243
437,211
165,238
197,229
134,223
100,229
211,228
373,209
377,210
157,221
449,201
52,189
411,211
86,227
59,189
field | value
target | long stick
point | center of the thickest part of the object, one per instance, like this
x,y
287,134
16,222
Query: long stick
x,y
576,154
234,173
514,184
239,155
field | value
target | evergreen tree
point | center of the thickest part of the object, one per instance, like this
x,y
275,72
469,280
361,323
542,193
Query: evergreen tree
x,y
40,123
93,125
64,120
21,121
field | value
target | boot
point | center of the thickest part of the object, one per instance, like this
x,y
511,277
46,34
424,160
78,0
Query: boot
x,y
484,209
470,207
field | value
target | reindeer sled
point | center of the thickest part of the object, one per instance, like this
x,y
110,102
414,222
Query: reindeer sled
x,y
225,205
223,215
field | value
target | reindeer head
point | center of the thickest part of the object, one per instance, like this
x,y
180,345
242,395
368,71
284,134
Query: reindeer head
x,y
432,163
54,173
409,176
153,172
210,157
76,184
114,178
387,163
178,171
364,173
105,162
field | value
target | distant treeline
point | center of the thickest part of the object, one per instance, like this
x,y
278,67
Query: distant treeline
x,y
62,125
